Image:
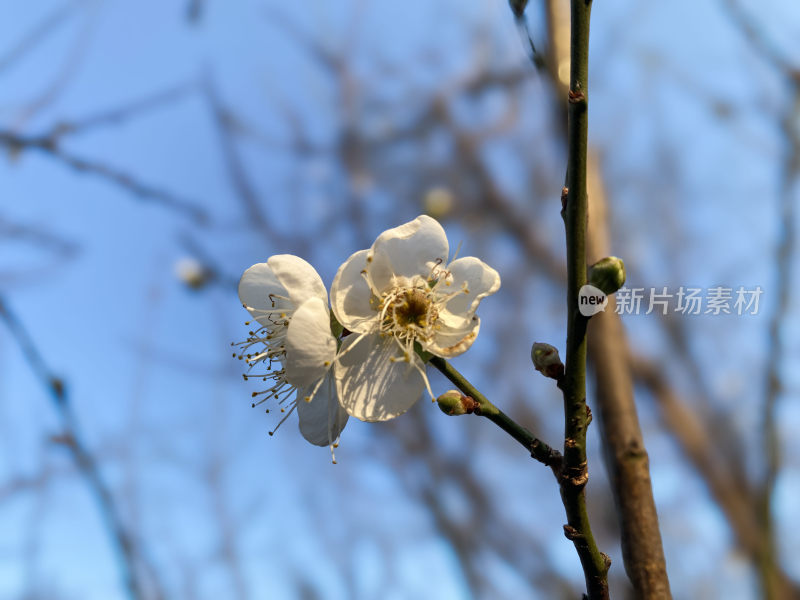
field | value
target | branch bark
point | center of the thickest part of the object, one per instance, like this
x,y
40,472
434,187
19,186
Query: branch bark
x,y
623,445
482,407
574,473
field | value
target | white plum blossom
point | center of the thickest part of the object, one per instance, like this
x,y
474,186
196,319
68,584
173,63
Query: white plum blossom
x,y
293,344
399,293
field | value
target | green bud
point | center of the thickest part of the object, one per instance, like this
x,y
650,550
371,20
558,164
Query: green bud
x,y
454,403
546,360
607,274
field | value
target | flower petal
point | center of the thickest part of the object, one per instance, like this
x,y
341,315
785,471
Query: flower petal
x,y
322,419
299,278
372,386
255,287
350,295
452,341
407,252
477,279
310,347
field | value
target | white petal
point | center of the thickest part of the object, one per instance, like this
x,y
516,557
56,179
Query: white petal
x,y
322,419
255,287
406,252
310,347
371,386
449,342
350,295
299,278
472,274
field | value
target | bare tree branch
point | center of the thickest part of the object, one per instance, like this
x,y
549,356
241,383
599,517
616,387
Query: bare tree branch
x,y
122,540
17,143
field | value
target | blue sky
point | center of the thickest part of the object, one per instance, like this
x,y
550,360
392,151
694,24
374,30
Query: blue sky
x,y
147,360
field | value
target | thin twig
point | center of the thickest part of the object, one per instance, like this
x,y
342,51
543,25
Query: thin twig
x,y
120,114
774,583
484,408
40,32
121,538
48,145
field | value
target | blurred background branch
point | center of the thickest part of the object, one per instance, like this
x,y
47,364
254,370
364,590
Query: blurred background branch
x,y
70,438
255,130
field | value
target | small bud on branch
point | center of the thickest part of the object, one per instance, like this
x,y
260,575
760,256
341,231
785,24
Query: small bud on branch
x,y
607,274
546,360
454,403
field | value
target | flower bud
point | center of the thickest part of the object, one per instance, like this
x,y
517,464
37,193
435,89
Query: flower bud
x,y
607,274
192,273
439,202
455,403
546,360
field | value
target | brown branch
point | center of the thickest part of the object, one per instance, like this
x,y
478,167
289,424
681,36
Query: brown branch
x,y
625,454
234,165
769,562
691,434
513,220
774,583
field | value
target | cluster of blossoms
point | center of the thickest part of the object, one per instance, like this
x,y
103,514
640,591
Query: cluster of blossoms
x,y
362,356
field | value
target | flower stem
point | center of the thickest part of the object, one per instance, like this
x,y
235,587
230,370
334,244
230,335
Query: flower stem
x,y
574,474
538,449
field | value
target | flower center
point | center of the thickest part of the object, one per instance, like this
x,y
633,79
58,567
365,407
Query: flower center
x,y
408,313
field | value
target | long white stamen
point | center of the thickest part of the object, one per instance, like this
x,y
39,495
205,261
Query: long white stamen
x,y
360,336
368,278
286,416
313,393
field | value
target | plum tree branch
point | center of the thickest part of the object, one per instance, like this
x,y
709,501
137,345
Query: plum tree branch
x,y
574,474
483,407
